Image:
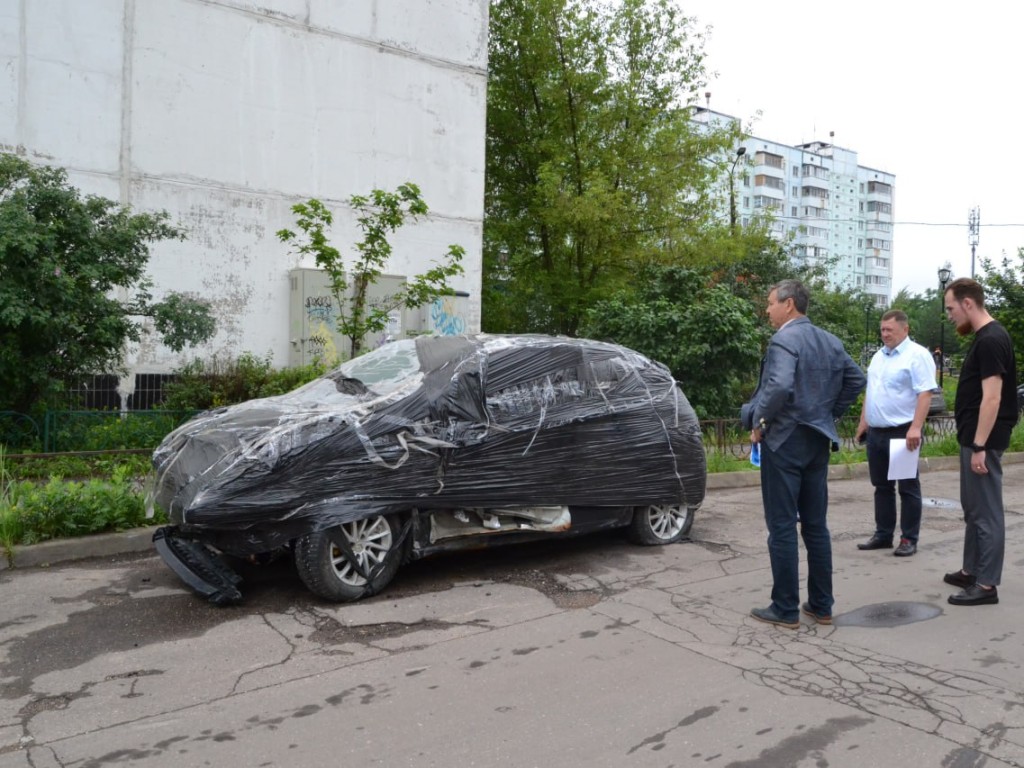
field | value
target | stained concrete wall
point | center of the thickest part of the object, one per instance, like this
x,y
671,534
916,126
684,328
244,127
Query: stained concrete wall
x,y
226,112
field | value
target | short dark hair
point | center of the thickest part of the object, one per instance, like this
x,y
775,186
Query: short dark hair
x,y
898,315
795,290
966,288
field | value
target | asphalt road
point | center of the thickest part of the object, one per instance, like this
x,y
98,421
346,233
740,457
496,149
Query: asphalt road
x,y
587,652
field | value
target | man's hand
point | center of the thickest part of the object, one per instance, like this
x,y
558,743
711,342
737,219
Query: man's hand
x,y
913,438
978,465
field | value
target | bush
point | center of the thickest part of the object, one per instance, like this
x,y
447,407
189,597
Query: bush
x,y
111,430
202,385
78,467
31,513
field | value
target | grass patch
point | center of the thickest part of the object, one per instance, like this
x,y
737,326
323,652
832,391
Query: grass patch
x,y
32,511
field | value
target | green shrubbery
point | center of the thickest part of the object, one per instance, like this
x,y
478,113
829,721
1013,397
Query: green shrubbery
x,y
31,512
200,384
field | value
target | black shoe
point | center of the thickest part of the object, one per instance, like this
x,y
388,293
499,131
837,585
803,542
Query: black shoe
x,y
959,579
821,618
905,549
769,616
875,542
975,595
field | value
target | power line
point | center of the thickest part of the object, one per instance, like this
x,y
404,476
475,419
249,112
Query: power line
x,y
809,219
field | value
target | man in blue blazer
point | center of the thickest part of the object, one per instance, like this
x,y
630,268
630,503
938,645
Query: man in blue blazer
x,y
807,382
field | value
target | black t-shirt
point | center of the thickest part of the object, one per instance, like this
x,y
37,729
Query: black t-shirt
x,y
990,354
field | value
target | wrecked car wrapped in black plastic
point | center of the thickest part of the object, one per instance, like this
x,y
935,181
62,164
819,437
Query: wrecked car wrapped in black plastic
x,y
425,445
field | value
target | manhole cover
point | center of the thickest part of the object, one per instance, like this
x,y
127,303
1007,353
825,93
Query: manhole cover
x,y
888,615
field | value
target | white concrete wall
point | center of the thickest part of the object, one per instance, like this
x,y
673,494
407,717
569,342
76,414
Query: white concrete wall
x,y
227,112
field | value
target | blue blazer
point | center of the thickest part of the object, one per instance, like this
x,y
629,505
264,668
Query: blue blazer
x,y
807,378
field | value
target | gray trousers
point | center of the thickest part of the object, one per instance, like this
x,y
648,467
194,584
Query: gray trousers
x,y
981,496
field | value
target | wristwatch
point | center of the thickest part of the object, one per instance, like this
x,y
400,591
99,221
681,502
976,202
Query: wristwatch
x,y
977,448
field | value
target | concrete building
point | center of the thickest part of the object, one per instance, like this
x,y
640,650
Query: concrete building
x,y
821,200
227,112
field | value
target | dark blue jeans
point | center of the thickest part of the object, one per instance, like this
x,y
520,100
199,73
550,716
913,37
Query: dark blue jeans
x,y
794,480
885,489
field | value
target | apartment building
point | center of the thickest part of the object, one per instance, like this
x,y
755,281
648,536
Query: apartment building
x,y
820,199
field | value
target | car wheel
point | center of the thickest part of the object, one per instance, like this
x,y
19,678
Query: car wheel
x,y
352,560
660,524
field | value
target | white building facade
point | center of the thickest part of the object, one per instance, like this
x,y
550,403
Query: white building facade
x,y
824,202
225,113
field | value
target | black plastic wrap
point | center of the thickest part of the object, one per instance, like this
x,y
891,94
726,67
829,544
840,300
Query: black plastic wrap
x,y
480,421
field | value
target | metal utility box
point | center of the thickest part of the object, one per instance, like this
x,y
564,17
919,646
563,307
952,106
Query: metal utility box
x,y
313,317
446,315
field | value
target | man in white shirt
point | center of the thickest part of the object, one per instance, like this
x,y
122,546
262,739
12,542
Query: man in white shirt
x,y
901,378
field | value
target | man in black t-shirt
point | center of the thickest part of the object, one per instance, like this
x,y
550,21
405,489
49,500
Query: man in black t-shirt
x,y
986,412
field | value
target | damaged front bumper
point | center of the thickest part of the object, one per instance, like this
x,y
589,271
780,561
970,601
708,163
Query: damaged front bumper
x,y
200,566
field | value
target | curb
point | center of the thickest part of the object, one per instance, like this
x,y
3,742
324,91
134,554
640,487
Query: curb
x,y
141,539
65,550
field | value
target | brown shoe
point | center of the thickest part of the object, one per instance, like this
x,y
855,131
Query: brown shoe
x,y
821,618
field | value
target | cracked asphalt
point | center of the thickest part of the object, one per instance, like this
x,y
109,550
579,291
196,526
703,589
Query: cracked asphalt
x,y
586,652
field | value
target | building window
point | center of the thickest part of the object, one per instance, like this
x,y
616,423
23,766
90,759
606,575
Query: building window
x,y
874,205
879,188
763,201
815,192
769,181
792,211
767,158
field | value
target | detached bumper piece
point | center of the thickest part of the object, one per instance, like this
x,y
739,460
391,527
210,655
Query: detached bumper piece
x,y
199,566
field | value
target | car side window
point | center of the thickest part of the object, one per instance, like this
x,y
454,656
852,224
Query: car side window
x,y
550,391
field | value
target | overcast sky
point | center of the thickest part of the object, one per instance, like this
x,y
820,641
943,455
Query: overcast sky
x,y
928,91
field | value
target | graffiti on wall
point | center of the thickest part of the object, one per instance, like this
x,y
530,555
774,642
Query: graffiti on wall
x,y
320,320
446,317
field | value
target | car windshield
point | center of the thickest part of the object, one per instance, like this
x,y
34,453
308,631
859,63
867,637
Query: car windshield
x,y
386,368
392,367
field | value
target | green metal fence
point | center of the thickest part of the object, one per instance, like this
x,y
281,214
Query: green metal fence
x,y
66,431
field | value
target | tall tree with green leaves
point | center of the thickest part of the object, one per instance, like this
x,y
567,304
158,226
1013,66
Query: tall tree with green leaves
x,y
1004,297
594,165
73,284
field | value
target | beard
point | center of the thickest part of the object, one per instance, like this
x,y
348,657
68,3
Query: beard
x,y
965,328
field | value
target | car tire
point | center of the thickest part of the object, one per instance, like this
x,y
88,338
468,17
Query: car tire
x,y
378,544
657,524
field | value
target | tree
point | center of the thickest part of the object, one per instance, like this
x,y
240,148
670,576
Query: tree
x,y
1004,298
73,285
378,215
705,333
594,165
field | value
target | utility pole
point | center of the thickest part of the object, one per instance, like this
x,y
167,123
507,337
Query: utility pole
x,y
973,231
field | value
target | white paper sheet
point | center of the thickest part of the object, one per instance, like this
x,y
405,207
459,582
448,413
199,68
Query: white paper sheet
x,y
902,461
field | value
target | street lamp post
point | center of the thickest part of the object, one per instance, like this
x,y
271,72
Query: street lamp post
x,y
944,274
740,152
867,331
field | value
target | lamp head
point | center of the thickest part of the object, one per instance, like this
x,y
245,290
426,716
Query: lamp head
x,y
944,275
741,151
